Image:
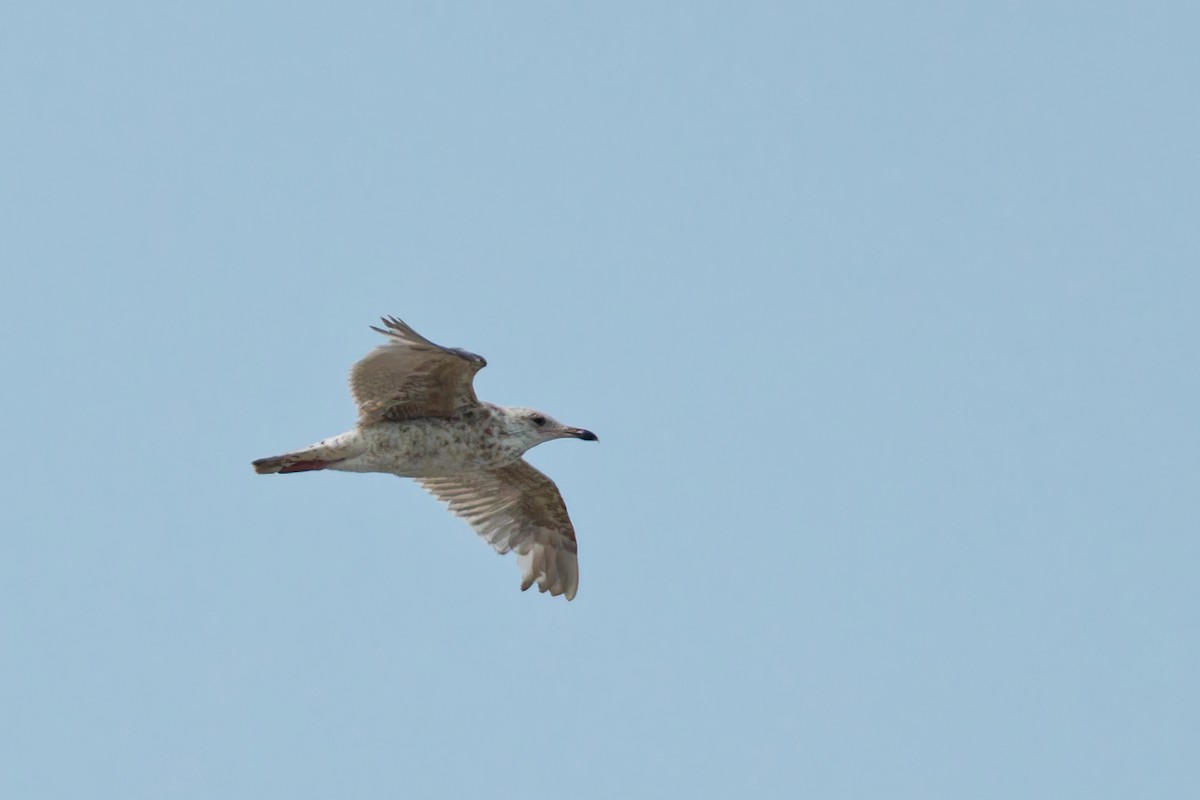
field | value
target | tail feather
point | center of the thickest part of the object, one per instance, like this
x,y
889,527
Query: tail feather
x,y
322,455
268,466
289,463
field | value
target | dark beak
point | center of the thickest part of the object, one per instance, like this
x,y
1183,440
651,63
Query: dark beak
x,y
587,436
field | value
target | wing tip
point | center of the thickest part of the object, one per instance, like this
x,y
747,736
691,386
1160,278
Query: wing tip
x,y
556,575
392,326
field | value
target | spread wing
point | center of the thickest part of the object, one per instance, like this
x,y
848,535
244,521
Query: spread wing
x,y
411,377
518,508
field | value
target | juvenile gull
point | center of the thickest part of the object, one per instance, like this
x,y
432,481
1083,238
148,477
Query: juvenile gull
x,y
418,417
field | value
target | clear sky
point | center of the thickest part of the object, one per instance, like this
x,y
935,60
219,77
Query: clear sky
x,y
886,315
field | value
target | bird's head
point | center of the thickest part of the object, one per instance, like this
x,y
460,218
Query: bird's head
x,y
536,427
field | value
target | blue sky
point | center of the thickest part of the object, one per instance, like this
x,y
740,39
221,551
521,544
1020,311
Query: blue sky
x,y
885,314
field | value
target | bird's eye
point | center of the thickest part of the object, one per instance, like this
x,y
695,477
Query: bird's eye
x,y
539,420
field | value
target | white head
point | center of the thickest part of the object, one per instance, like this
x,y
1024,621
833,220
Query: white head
x,y
534,427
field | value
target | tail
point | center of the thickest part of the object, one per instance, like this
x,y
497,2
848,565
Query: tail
x,y
292,462
322,455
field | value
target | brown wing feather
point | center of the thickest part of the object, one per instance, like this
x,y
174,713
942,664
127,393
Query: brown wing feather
x,y
411,377
518,508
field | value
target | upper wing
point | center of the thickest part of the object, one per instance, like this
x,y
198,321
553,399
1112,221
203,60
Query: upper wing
x,y
518,508
411,377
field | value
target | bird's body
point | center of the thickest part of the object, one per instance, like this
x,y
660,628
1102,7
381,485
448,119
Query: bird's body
x,y
429,447
419,418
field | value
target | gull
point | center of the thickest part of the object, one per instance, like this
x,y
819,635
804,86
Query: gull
x,y
418,417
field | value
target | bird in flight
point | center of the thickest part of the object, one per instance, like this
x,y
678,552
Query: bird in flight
x,y
418,417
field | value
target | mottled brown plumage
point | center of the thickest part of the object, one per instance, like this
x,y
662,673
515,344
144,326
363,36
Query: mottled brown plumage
x,y
410,377
419,418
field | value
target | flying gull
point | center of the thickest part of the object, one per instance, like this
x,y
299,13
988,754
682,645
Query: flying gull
x,y
418,417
